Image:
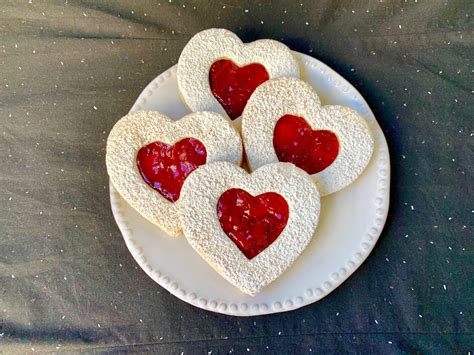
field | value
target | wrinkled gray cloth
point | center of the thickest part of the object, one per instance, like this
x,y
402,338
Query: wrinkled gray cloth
x,y
70,69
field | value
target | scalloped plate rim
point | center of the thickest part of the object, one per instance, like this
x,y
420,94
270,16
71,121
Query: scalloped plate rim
x,y
283,305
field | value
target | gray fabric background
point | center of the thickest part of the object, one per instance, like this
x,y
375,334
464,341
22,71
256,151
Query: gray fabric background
x,y
70,69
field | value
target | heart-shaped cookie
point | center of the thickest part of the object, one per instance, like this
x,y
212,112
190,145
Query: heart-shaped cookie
x,y
149,157
217,72
284,121
249,227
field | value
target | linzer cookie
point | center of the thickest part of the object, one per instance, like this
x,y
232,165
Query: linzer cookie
x,y
249,227
217,72
284,121
149,156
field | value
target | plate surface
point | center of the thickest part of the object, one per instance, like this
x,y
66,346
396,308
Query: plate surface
x,y
350,223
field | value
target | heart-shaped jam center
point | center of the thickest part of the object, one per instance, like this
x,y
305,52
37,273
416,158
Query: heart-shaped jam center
x,y
165,167
252,222
232,85
296,142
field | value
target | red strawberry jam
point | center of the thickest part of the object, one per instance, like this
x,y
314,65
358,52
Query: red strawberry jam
x,y
165,167
232,85
311,150
252,222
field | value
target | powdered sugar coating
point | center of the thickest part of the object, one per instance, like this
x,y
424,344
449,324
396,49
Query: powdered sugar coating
x,y
278,97
208,46
202,228
141,128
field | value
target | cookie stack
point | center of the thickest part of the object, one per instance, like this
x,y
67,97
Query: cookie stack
x,y
247,103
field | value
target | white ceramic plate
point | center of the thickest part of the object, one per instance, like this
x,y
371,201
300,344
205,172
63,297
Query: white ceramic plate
x,y
350,223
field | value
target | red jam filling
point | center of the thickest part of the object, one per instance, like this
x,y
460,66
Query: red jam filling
x,y
232,85
252,222
165,167
295,142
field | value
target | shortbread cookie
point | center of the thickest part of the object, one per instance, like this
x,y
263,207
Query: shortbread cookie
x,y
149,156
284,121
217,72
249,227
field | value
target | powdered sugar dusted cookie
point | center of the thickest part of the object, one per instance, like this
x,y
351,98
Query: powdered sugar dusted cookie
x,y
217,72
249,227
284,121
149,156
